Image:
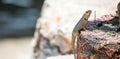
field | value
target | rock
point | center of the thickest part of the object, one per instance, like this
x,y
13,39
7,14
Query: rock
x,y
98,45
100,42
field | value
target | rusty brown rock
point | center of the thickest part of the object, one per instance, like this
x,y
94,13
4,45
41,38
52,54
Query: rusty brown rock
x,y
90,47
101,42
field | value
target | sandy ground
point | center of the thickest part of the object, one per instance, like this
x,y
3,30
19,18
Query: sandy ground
x,y
15,48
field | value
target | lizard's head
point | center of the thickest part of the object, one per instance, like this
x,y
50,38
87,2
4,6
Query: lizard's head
x,y
87,14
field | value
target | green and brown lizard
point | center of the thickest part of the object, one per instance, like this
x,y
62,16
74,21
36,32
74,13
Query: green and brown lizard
x,y
79,26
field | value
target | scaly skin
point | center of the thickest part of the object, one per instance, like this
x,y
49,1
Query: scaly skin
x,y
79,26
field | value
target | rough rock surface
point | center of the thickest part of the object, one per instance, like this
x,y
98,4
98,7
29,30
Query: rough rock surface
x,y
98,44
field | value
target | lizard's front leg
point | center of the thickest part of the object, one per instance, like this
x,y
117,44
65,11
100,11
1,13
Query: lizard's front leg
x,y
85,27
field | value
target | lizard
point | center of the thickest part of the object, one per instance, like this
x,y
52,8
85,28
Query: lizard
x,y
78,27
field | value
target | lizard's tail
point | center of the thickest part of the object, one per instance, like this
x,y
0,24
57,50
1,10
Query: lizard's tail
x,y
73,44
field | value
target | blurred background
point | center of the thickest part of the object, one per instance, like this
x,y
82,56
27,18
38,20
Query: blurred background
x,y
17,24
18,17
